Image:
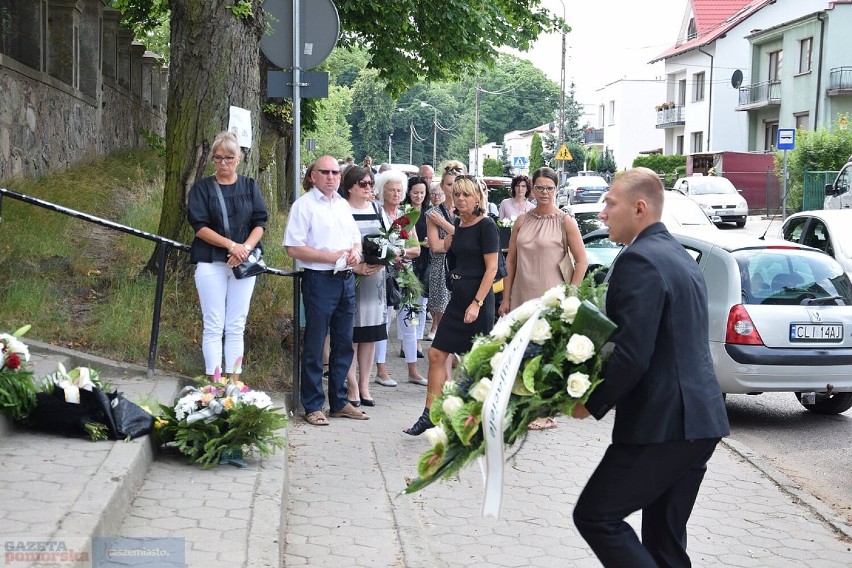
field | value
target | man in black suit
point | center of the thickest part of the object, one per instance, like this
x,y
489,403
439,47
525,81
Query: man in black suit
x,y
670,413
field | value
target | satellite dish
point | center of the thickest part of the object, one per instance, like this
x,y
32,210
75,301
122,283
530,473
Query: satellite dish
x,y
737,79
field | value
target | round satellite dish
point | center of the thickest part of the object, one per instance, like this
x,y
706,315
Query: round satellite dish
x,y
737,79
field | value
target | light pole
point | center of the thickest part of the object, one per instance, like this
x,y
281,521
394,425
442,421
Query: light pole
x,y
390,148
434,133
410,134
562,95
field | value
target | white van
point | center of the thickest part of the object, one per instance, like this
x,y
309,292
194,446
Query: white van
x,y
837,194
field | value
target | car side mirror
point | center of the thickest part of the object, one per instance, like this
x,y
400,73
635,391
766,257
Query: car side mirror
x,y
829,190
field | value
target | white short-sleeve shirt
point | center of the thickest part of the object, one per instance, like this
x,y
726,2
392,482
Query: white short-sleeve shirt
x,y
321,223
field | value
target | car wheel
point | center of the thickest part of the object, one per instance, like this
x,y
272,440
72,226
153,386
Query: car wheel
x,y
832,404
741,224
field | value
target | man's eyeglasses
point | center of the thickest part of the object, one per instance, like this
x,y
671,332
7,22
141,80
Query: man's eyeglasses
x,y
329,172
226,159
545,188
365,183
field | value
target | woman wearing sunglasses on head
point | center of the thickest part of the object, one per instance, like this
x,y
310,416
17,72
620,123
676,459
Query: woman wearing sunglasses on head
x,y
470,311
370,324
224,299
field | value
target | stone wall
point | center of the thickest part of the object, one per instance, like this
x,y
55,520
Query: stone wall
x,y
53,116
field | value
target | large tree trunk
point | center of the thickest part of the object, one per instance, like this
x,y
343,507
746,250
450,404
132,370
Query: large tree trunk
x,y
214,65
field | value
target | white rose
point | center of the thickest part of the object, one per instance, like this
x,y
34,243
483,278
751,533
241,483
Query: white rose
x,y
526,310
541,332
502,329
496,361
570,305
578,384
480,391
580,348
553,297
451,405
437,436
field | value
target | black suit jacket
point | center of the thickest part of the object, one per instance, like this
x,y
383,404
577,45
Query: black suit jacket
x,y
660,374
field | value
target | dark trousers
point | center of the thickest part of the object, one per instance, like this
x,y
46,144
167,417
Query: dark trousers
x,y
661,480
329,310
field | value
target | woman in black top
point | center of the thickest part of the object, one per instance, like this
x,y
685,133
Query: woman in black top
x,y
470,311
224,299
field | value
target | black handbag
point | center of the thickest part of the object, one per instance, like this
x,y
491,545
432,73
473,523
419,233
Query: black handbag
x,y
393,291
254,263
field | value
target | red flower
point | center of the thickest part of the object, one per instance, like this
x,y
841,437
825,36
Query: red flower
x,y
13,361
402,221
403,233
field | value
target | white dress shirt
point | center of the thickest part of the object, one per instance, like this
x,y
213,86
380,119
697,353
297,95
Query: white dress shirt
x,y
321,223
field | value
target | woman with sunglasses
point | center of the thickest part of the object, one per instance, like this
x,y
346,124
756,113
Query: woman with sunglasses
x,y
370,323
470,311
225,300
536,246
416,197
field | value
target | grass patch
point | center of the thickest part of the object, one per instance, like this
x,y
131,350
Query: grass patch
x,y
82,286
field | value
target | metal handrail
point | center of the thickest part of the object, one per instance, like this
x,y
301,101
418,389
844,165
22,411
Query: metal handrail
x,y
162,245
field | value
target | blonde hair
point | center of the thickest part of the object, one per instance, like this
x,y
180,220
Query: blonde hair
x,y
227,141
467,186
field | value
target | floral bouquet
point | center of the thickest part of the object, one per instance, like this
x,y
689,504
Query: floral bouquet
x,y
385,246
212,423
17,391
72,402
548,349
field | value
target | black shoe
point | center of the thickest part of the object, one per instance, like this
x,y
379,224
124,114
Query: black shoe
x,y
368,402
423,423
419,354
357,403
401,354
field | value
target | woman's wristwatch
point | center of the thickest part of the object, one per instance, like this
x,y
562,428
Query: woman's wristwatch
x,y
478,302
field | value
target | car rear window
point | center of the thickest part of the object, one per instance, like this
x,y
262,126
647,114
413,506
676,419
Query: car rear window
x,y
792,277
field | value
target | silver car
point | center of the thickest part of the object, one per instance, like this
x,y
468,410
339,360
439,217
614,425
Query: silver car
x,y
717,196
780,317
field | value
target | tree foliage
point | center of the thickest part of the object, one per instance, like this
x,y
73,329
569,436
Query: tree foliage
x,y
818,150
492,167
331,131
536,161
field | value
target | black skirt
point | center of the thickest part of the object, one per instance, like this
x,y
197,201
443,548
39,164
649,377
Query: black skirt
x,y
455,336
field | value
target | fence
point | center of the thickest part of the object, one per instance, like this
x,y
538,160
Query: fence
x,y
162,246
813,189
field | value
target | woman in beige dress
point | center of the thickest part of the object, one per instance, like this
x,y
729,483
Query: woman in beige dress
x,y
536,246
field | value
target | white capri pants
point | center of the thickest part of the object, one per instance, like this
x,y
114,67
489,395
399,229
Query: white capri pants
x,y
407,335
225,303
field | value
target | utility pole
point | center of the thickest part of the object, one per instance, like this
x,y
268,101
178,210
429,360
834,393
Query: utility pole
x,y
434,133
390,147
411,141
562,97
476,132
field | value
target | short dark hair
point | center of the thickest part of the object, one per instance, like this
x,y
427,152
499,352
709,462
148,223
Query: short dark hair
x,y
352,176
546,172
517,180
412,181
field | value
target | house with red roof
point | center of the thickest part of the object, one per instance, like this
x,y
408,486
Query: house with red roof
x,y
707,67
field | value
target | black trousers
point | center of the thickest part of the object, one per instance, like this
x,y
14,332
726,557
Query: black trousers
x,y
662,480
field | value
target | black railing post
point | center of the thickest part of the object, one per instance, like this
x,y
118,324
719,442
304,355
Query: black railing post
x,y
297,342
158,303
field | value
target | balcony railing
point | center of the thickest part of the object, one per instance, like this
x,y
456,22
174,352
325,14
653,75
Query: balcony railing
x,y
596,136
840,81
760,95
671,117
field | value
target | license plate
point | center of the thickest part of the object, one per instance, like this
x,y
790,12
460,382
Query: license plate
x,y
825,332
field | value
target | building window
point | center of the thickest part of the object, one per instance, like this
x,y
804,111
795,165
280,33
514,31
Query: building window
x,y
775,59
802,120
697,142
692,30
679,145
698,87
770,135
612,112
805,54
601,116
681,92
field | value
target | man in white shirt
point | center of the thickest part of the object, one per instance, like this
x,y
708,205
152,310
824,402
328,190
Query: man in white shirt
x,y
323,238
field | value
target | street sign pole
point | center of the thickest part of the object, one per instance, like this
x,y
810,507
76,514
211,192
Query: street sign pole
x,y
784,190
297,106
786,141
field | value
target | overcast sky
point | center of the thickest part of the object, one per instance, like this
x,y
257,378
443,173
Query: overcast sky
x,y
610,40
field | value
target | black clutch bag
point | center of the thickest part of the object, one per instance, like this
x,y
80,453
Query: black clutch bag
x,y
372,251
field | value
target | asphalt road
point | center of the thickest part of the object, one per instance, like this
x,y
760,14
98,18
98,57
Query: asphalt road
x,y
813,450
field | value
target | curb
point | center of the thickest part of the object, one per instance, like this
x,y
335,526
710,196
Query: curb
x,y
101,364
793,489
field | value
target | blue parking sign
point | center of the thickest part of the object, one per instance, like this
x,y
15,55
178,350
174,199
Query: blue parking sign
x,y
786,138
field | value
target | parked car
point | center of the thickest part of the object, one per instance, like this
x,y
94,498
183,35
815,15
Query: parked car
x,y
780,315
585,189
837,194
679,212
716,196
828,230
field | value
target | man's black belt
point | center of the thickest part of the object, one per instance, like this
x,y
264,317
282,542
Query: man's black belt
x,y
341,274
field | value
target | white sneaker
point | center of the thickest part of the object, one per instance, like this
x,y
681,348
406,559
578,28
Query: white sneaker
x,y
386,382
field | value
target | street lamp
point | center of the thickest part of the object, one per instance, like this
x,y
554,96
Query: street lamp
x,y
390,147
434,133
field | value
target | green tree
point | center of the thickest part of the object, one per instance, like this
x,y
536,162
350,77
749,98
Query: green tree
x,y
536,160
818,150
332,132
492,167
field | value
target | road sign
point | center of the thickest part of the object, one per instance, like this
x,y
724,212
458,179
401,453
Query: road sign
x,y
786,138
318,30
279,84
519,161
563,153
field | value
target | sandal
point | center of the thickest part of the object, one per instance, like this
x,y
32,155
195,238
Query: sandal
x,y
543,423
423,423
350,411
316,418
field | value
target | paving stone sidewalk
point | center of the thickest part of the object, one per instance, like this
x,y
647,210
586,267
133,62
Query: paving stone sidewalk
x,y
344,508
